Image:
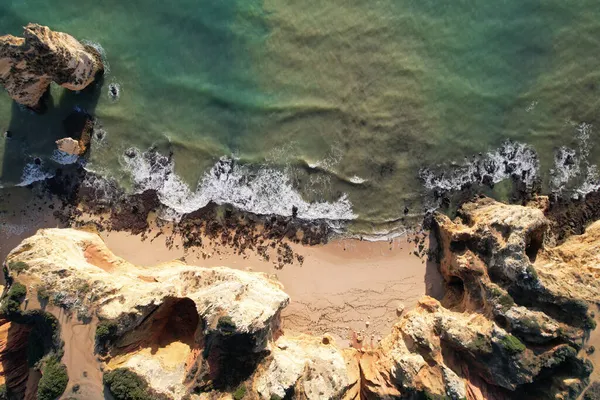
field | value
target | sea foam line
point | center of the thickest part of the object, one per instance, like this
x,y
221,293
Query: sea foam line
x,y
264,191
33,173
573,173
511,160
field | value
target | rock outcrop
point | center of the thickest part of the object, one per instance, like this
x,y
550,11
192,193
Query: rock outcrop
x,y
79,125
70,146
29,64
512,323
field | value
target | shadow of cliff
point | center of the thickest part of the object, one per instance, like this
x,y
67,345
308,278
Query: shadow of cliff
x,y
434,281
32,135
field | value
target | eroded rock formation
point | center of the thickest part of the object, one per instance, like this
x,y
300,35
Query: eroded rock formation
x,y
511,325
13,355
29,64
79,125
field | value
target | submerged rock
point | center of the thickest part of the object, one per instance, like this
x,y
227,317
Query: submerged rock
x,y
29,64
512,323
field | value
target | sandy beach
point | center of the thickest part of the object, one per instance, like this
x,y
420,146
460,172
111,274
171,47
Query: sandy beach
x,y
342,287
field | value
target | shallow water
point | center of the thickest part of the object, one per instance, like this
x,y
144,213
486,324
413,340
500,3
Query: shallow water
x,y
343,101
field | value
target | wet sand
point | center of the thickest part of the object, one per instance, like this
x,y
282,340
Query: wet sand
x,y
21,215
340,287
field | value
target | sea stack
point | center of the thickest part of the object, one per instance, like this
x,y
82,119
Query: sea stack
x,y
29,64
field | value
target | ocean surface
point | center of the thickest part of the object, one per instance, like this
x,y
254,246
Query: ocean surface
x,y
347,109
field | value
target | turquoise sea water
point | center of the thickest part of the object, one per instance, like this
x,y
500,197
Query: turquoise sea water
x,y
340,99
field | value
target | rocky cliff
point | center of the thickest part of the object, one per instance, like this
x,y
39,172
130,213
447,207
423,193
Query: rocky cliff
x,y
514,319
29,64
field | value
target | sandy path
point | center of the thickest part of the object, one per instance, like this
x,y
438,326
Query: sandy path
x,y
82,366
594,357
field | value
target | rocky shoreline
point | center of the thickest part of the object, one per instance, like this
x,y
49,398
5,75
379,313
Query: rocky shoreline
x,y
515,320
77,198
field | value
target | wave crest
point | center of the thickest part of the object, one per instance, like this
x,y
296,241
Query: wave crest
x,y
264,191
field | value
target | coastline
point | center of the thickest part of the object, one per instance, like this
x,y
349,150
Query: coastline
x,y
378,276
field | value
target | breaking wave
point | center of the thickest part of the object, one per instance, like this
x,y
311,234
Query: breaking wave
x,y
264,191
512,160
573,173
63,158
33,173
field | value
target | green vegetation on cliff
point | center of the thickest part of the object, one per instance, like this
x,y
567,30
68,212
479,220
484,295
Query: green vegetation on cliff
x,y
105,332
512,344
125,384
239,393
54,379
18,267
12,302
593,392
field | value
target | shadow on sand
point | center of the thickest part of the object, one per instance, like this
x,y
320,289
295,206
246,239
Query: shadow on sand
x,y
434,281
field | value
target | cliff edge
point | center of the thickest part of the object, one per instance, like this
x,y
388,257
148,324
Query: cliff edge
x,y
513,323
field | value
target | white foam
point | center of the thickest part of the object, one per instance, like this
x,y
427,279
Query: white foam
x,y
566,167
33,173
357,180
511,160
9,229
98,47
531,106
572,170
591,182
64,158
263,191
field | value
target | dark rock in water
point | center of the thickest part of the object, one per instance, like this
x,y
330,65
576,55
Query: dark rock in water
x,y
405,210
37,161
114,91
569,160
8,134
130,153
488,180
294,211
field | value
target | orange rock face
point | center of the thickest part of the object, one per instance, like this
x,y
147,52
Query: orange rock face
x,y
512,323
13,355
